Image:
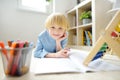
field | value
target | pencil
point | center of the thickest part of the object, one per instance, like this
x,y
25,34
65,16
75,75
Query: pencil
x,y
4,51
15,67
11,59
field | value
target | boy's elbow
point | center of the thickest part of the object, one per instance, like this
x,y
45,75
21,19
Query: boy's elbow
x,y
36,55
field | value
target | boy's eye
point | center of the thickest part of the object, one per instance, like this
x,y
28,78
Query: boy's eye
x,y
60,28
52,27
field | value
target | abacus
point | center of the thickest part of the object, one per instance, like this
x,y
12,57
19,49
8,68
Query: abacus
x,y
109,40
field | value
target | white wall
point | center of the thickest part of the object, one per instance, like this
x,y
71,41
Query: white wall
x,y
64,5
24,25
16,24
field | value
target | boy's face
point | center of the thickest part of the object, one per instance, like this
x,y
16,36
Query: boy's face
x,y
56,32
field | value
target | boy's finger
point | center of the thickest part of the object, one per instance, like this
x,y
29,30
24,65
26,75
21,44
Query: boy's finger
x,y
67,49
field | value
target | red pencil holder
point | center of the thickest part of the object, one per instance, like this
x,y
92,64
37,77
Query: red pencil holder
x,y
16,62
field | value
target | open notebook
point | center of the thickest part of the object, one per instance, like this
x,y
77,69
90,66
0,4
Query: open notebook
x,y
72,64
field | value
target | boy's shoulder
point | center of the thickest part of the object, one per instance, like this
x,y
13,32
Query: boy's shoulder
x,y
43,33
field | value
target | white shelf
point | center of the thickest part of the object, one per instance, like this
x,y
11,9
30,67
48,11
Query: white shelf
x,y
85,25
99,21
84,4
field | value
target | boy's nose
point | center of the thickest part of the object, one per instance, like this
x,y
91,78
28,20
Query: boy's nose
x,y
56,31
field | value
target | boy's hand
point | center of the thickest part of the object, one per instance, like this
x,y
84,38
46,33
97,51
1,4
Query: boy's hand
x,y
62,53
62,38
58,42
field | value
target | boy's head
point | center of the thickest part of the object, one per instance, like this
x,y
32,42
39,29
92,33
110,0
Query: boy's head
x,y
57,25
57,19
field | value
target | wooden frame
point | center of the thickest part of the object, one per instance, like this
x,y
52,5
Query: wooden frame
x,y
106,37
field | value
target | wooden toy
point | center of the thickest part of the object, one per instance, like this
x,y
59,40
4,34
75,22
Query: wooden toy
x,y
111,36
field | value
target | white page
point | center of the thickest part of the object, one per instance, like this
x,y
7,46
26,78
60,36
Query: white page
x,y
53,65
102,65
77,57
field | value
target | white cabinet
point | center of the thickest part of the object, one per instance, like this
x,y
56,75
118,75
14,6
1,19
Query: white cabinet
x,y
100,18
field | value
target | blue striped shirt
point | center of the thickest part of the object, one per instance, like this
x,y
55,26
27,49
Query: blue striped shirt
x,y
46,44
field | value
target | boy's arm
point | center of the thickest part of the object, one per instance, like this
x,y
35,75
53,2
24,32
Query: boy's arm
x,y
61,42
58,46
39,52
60,54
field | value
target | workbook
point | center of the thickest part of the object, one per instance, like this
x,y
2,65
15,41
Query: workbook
x,y
72,64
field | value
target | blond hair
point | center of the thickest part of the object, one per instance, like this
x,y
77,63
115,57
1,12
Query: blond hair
x,y
57,19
